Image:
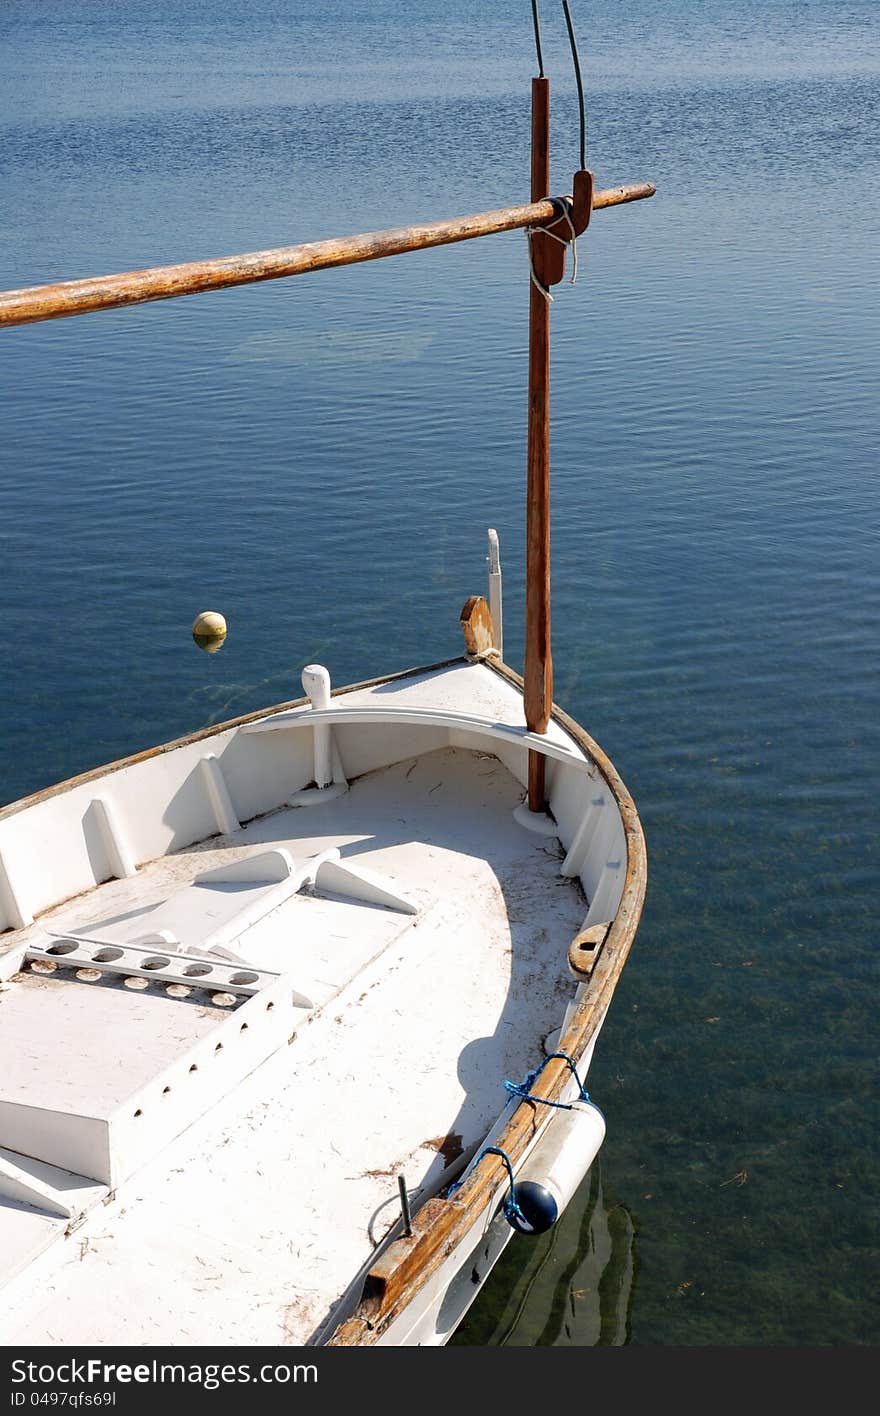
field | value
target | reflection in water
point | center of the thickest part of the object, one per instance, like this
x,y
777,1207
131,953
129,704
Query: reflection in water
x,y
571,1287
209,631
345,346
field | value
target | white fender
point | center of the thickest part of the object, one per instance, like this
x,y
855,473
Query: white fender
x,y
556,1166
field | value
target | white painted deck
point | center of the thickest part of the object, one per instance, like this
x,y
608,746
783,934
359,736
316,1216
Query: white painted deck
x,y
250,1225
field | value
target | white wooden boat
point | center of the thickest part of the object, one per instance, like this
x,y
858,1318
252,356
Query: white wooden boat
x,y
263,989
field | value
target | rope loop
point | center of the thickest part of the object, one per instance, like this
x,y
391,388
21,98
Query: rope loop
x,y
531,231
511,1208
523,1089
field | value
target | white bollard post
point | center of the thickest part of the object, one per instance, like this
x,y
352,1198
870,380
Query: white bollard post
x,y
316,682
495,607
327,768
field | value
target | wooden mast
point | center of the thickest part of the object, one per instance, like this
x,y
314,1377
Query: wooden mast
x,y
538,677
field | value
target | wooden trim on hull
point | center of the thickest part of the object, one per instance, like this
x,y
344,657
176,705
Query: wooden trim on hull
x,y
441,1225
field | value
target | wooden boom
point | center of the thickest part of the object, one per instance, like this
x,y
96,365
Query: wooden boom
x,y
135,287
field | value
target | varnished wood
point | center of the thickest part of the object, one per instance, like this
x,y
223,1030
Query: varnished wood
x,y
548,256
477,626
582,201
584,949
537,786
579,211
538,661
135,287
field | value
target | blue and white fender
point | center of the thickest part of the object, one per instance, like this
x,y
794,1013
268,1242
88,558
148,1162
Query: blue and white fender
x,y
555,1167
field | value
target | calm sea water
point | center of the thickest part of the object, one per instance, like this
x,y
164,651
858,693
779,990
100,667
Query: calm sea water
x,y
320,460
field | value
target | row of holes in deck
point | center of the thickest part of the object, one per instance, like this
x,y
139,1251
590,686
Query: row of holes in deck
x,y
194,1066
156,961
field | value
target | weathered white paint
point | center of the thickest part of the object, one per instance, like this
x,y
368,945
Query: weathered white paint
x,y
386,714
605,862
537,821
165,807
440,1307
316,682
10,962
216,908
45,1187
218,795
119,852
330,779
16,912
76,1093
263,869
579,848
134,961
609,885
358,883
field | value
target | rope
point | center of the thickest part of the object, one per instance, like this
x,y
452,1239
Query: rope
x,y
537,24
511,1208
524,1089
563,241
580,83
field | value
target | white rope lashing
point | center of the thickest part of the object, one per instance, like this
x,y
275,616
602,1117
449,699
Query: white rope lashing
x,y
542,230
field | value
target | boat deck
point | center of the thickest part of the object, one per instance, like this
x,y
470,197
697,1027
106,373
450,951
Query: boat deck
x,y
248,1228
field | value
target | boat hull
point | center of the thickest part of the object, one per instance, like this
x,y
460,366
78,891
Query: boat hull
x,y
418,760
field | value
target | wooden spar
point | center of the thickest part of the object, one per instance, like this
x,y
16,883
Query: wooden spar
x,y
538,675
135,287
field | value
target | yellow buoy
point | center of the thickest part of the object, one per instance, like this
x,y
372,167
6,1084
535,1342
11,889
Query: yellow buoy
x,y
209,631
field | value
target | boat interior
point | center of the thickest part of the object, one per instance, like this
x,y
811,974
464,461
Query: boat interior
x,y
226,1053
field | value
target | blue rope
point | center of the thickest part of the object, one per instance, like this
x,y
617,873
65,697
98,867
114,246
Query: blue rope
x,y
524,1089
511,1208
